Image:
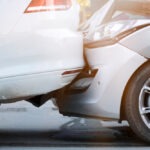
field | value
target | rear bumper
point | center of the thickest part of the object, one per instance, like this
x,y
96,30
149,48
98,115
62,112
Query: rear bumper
x,y
34,84
41,51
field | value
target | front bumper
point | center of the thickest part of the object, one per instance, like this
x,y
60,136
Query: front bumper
x,y
102,99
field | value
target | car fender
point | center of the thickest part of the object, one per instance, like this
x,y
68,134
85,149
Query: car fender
x,y
116,65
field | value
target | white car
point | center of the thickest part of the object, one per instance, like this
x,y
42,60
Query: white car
x,y
41,49
117,84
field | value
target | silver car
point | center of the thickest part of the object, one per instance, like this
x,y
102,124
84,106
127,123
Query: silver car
x,y
115,85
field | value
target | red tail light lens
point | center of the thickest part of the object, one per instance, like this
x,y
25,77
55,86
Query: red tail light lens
x,y
47,5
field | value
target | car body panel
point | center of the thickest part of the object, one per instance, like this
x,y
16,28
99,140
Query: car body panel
x,y
23,56
19,87
134,43
11,12
115,65
115,61
37,48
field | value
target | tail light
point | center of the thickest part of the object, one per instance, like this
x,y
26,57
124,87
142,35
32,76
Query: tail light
x,y
47,5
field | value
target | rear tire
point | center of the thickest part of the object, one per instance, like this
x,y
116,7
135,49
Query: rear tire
x,y
137,106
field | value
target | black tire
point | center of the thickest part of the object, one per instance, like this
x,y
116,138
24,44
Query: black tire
x,y
133,102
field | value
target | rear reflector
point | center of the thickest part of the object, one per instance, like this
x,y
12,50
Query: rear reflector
x,y
71,72
47,5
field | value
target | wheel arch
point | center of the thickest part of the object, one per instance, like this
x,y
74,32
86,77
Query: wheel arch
x,y
123,99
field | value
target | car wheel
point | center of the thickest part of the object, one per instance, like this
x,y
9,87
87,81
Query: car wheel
x,y
137,106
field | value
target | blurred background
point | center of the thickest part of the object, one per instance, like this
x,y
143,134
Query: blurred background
x,y
88,7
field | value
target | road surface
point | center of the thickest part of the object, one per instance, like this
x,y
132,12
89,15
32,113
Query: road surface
x,y
23,126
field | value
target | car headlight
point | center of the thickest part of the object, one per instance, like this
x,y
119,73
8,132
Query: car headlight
x,y
109,31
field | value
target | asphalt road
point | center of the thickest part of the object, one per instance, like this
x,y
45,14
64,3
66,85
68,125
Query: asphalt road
x,y
23,126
